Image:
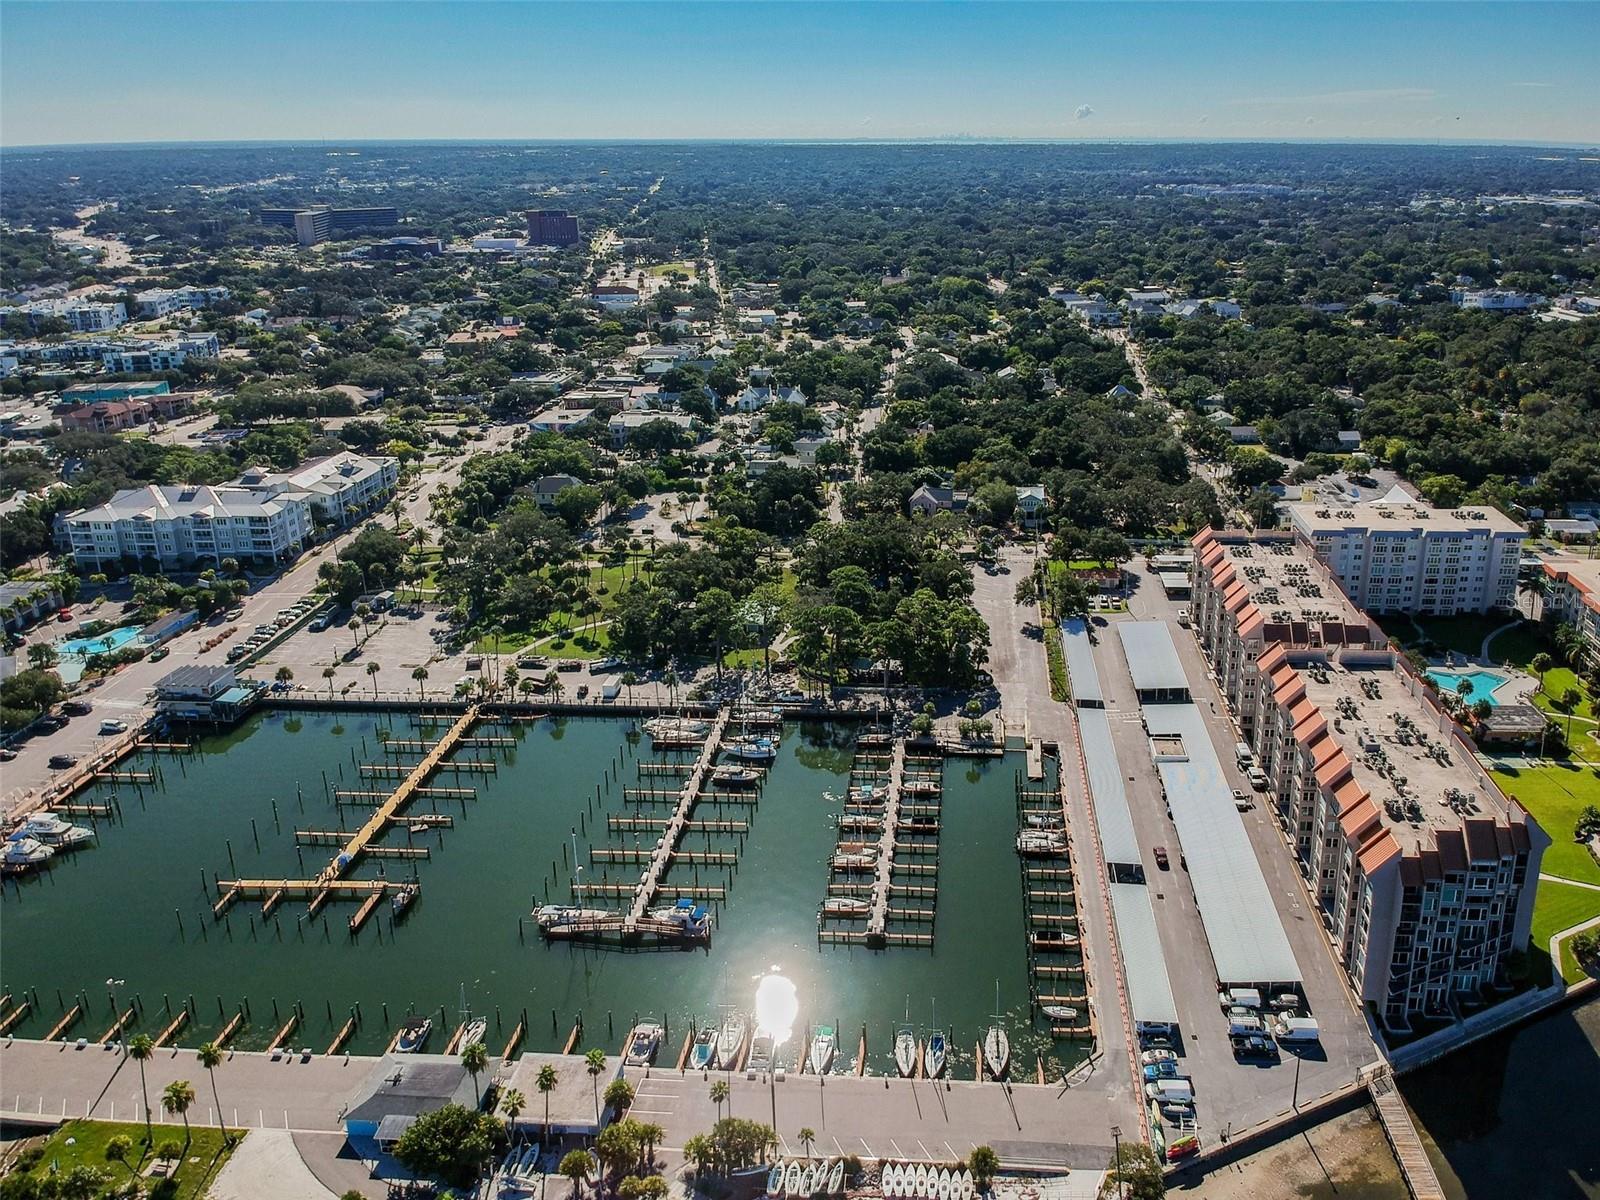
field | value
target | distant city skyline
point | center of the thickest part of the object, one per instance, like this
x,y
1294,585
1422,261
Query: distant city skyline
x,y
155,72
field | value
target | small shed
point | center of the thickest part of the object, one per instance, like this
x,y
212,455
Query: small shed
x,y
402,1087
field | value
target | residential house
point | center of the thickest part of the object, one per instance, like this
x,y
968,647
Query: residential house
x,y
1032,506
756,397
546,489
928,499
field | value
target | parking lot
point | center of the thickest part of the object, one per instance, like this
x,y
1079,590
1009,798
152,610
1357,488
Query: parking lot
x,y
1230,1094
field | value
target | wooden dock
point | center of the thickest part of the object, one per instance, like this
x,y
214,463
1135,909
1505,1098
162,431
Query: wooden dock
x,y
66,1023
284,1034
878,920
14,1017
343,1036
666,848
1415,1166
231,1028
171,1031
117,1027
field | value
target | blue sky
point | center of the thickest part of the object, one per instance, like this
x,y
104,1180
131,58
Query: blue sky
x,y
90,72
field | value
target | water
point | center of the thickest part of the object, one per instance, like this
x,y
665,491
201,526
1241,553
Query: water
x,y
112,911
113,639
1481,683
1512,1115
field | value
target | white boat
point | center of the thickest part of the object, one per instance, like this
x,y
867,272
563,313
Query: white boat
x,y
905,1051
730,1040
933,1054
846,906
996,1051
473,1033
556,916
1044,820
945,1183
920,1188
50,829
860,822
1059,1012
824,1045
413,1035
27,852
922,787
401,900
691,919
791,1177
775,1181
968,1188
732,776
855,860
1041,843
760,1052
752,750
836,1179
809,1186
643,1043
676,729
890,1182
703,1054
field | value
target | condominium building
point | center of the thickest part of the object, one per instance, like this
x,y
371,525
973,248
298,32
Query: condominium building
x,y
1572,594
1424,872
319,222
341,488
167,354
1409,557
175,526
161,302
551,227
80,316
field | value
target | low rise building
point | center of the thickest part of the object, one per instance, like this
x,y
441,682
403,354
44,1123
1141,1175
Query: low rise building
x,y
1495,299
80,316
927,500
176,526
160,302
625,424
546,489
1571,593
559,418
756,397
399,1088
1032,506
611,296
1396,556
341,488
164,354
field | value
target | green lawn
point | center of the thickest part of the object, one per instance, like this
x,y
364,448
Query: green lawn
x,y
1560,906
604,583
1555,795
195,1173
1556,682
665,269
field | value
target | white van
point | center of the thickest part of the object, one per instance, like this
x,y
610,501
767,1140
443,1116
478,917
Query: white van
x,y
1243,755
1241,1025
1296,1029
1241,997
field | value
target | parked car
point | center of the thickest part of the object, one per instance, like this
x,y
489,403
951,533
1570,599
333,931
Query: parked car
x,y
1156,1056
51,724
601,666
1258,779
64,615
59,761
1241,801
532,662
583,691
77,708
1161,858
1254,1046
570,664
112,725
7,754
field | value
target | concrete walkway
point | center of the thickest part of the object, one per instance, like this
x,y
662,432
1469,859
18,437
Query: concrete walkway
x,y
1593,887
1483,650
267,1163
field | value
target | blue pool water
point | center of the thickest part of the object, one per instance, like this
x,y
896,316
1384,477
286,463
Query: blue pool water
x,y
104,644
1482,683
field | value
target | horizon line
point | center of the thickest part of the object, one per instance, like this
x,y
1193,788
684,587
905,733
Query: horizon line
x,y
938,140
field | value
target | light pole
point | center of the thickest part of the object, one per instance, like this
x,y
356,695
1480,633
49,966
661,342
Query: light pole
x,y
1294,1102
1116,1156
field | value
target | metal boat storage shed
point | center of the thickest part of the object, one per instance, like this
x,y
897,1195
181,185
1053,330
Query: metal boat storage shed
x,y
1153,661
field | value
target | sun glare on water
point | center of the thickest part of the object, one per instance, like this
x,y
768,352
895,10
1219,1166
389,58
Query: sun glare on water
x,y
777,1005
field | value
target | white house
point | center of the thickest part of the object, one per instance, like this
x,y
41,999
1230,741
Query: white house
x,y
617,296
1031,506
559,418
159,302
755,398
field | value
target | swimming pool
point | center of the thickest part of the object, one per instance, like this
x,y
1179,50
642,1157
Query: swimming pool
x,y
114,639
1481,683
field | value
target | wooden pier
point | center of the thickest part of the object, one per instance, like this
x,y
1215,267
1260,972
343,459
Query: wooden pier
x,y
80,809
14,1017
171,1031
284,1034
667,891
666,848
1421,1179
343,1036
117,1027
125,776
515,1040
878,920
231,1028
67,1022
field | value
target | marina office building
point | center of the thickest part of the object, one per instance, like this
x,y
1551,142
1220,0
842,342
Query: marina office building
x,y
1405,556
1423,870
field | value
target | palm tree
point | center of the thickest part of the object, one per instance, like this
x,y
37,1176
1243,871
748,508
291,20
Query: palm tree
x,y
328,673
42,656
650,1135
1538,664
283,675
420,674
629,682
176,1097
719,1095
554,686
806,1136
983,1162
210,1056
701,1151
372,673
575,1166
475,1058
594,1062
546,1082
512,1104
140,1047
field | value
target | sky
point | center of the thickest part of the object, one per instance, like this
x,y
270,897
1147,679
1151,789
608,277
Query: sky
x,y
344,71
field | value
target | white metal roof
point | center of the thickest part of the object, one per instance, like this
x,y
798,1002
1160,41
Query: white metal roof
x,y
1149,989
1152,658
1085,679
1248,944
1111,813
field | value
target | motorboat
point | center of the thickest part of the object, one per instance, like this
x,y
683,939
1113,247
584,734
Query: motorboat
x,y
846,906
1041,843
934,1053
860,823
688,918
1059,1012
730,1039
996,1051
836,1179
643,1043
413,1035
27,852
753,750
50,829
775,1181
473,1033
731,776
530,1161
792,1178
761,1055
920,1187
824,1045
968,1188
703,1054
400,902
944,1183
905,1051
922,787
1044,820
873,739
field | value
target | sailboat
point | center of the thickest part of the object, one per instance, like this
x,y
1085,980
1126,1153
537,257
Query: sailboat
x,y
730,1040
824,1044
473,1028
905,1046
996,1044
934,1053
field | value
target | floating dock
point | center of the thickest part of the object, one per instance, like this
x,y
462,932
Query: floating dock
x,y
1056,971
